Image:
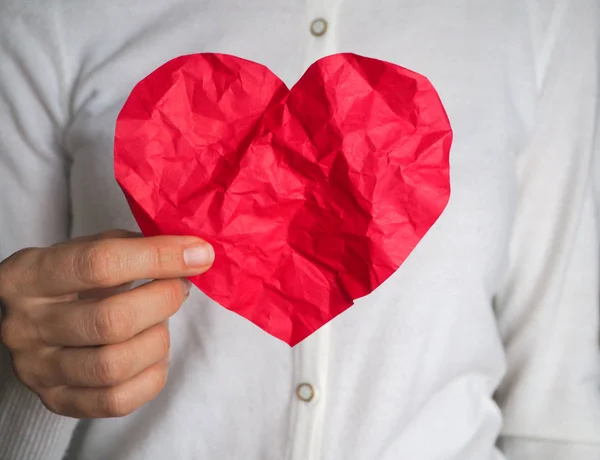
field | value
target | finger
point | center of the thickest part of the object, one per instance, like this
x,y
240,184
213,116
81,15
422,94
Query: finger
x,y
112,320
116,401
83,266
107,365
9,278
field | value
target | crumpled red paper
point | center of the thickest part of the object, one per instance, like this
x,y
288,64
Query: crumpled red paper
x,y
312,197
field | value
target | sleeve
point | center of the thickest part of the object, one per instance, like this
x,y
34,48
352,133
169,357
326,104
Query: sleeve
x,y
548,310
34,196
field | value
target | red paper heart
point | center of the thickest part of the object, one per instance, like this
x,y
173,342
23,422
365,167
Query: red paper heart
x,y
311,197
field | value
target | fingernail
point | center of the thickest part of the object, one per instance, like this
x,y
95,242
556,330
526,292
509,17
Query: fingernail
x,y
199,256
187,285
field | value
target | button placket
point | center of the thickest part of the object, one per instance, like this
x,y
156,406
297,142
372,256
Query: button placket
x,y
311,364
320,26
311,356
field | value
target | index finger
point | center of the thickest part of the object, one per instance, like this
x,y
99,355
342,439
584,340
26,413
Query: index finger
x,y
83,265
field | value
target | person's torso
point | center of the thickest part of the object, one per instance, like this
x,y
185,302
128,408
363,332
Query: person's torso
x,y
409,370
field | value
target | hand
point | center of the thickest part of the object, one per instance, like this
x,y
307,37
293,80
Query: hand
x,y
87,347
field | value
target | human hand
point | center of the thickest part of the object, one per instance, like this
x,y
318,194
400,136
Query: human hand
x,y
78,339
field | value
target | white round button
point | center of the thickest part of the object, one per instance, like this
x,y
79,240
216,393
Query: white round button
x,y
305,392
318,27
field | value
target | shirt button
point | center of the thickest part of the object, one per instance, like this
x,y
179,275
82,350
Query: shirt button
x,y
318,27
305,392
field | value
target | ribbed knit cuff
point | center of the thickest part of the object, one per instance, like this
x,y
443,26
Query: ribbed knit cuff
x,y
28,431
515,448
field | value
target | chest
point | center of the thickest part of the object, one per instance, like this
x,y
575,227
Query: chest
x,y
477,60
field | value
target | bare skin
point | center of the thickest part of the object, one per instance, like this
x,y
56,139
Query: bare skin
x,y
79,337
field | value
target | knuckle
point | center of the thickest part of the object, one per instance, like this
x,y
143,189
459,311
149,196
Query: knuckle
x,y
7,332
112,322
12,333
8,272
7,282
22,368
54,401
110,366
164,258
96,265
115,403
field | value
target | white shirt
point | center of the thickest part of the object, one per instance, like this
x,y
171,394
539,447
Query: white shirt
x,y
484,341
